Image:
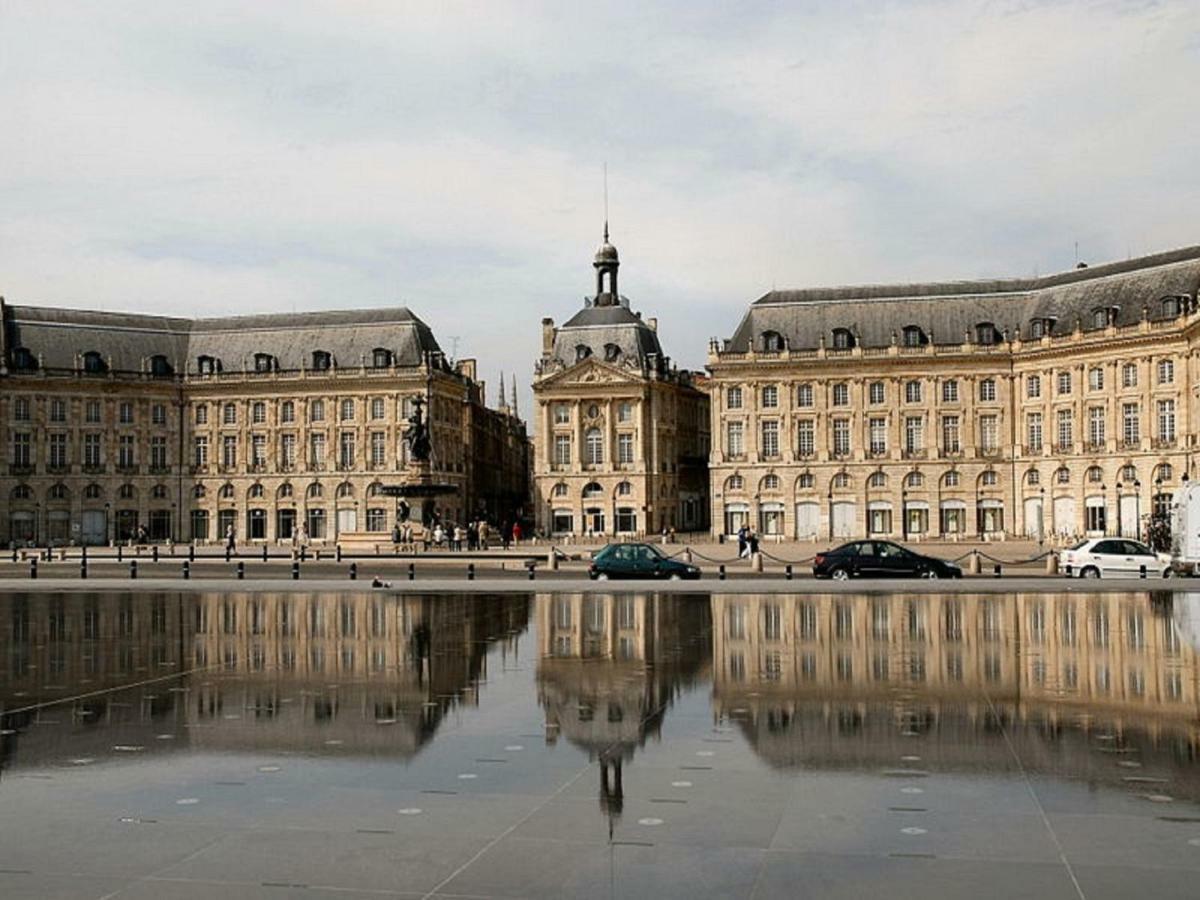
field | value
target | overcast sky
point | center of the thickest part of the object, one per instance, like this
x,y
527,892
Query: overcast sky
x,y
212,158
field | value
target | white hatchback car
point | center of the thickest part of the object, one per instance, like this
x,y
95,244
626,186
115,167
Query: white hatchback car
x,y
1113,558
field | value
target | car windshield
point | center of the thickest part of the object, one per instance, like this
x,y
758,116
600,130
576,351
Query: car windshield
x,y
654,551
1080,545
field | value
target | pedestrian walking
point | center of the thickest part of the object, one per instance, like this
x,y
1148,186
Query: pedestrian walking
x,y
516,534
231,539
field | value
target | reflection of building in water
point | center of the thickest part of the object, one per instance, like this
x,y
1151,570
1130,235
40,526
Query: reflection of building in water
x,y
835,679
609,667
269,670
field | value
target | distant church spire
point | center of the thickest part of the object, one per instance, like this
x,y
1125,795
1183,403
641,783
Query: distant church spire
x,y
514,394
501,387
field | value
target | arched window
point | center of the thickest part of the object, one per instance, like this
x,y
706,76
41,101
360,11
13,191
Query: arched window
x,y
914,480
806,482
914,336
1129,474
772,341
1062,475
560,489
734,483
22,492
285,491
986,334
841,481
160,367
258,412
624,489
159,492
22,360
199,491
93,363
593,447
127,492
1171,307
843,339
264,362
345,490
256,491
226,492
950,479
769,483
58,492
612,353
877,480
592,491
987,478
229,414
315,491
321,360
93,492
381,358
208,365
1033,476
1095,474
1038,329
582,352
1164,472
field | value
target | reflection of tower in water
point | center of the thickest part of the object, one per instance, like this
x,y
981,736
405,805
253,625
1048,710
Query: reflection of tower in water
x,y
609,667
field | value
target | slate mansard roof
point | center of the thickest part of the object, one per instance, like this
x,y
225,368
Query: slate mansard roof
x,y
126,340
946,311
600,327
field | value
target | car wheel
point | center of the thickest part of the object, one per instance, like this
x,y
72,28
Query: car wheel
x,y
1089,572
931,574
1168,573
602,576
675,576
839,574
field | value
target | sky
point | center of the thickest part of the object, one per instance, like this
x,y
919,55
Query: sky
x,y
215,158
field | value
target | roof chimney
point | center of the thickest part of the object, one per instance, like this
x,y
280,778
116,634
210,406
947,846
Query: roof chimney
x,y
547,336
653,323
1081,265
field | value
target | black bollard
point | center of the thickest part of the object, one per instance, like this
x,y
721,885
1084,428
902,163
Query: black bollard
x,y
338,552
1142,571
787,572
470,571
14,554
227,553
412,571
531,568
120,552
83,552
33,568
303,553
191,552
241,570
354,571
264,552
154,553
187,570
83,567
996,570
721,572
133,568
296,570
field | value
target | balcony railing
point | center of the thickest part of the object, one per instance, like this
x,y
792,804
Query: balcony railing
x,y
1094,447
1032,449
1161,443
20,469
877,452
58,468
162,469
93,468
1064,449
128,468
913,454
1131,445
988,452
199,468
950,453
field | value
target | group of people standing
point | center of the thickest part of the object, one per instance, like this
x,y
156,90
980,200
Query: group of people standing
x,y
475,535
747,542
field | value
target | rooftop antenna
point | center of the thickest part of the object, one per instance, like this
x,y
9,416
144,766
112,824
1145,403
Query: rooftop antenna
x,y
606,201
1077,253
454,339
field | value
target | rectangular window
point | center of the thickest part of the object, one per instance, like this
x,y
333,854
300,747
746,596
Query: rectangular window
x,y
91,449
287,412
58,451
1130,423
1166,420
229,414
91,412
258,413
376,408
562,449
950,391
1095,379
1064,382
1033,387
625,449
841,437
347,410
1066,429
989,434
987,390
287,451
200,444
258,450
1166,371
58,410
229,451
624,411
1129,375
346,450
733,398
158,414
914,434
770,440
877,434
562,414
1096,426
125,413
22,449
378,449
316,410
804,396
733,439
912,392
126,457
875,393
951,439
158,452
806,443
770,397
1033,432
841,394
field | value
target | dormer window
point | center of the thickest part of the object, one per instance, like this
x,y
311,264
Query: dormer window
x,y
23,360
381,358
914,336
160,367
772,341
843,339
1171,307
986,334
208,365
612,353
1040,328
1100,317
321,360
582,352
93,363
264,362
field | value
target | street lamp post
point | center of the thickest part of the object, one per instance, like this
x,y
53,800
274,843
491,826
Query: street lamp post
x,y
1137,507
830,497
1104,509
904,514
107,541
1041,517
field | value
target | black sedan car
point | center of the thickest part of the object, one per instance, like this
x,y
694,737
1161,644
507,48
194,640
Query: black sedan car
x,y
638,561
880,559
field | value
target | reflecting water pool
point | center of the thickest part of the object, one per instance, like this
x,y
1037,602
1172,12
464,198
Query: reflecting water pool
x,y
622,745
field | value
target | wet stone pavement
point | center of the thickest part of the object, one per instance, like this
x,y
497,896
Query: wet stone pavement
x,y
599,745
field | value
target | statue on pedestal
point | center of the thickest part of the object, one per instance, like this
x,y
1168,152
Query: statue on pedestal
x,y
416,435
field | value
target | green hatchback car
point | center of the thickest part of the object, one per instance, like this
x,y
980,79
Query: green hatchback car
x,y
638,561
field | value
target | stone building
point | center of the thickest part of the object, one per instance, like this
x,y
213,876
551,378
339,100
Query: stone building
x,y
622,434
1053,406
188,426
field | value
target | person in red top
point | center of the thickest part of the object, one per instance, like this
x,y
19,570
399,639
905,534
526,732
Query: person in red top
x,y
516,532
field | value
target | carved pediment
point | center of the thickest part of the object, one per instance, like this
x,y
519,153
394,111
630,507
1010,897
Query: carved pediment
x,y
591,371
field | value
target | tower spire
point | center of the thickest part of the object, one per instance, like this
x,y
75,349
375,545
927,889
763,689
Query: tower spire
x,y
514,396
501,387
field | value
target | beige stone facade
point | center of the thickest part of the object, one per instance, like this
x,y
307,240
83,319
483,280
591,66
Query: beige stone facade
x,y
1050,408
266,424
622,436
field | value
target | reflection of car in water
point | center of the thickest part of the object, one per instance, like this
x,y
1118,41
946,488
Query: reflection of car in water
x,y
638,561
